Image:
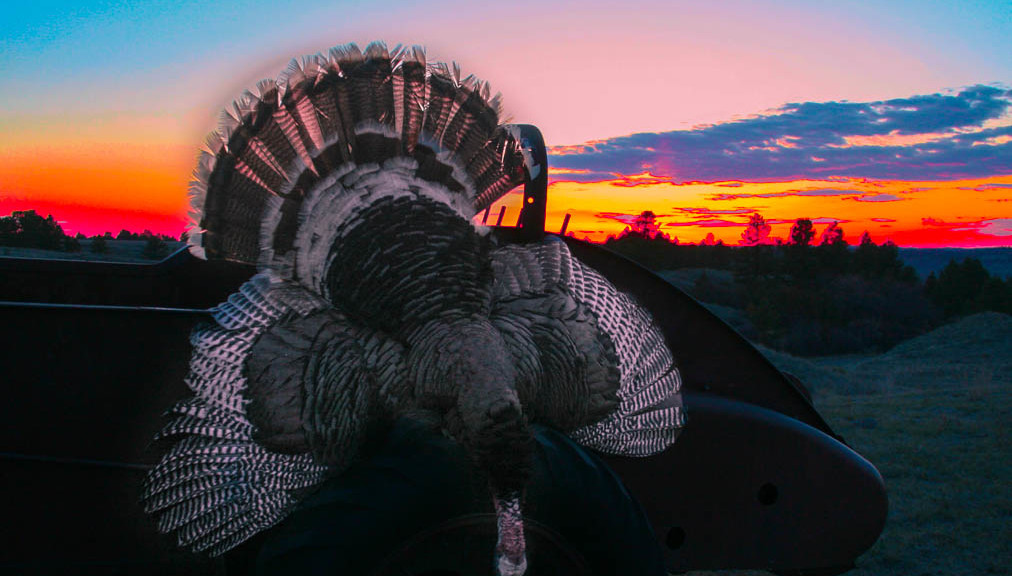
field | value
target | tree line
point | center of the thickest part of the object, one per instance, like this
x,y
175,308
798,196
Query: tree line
x,y
824,297
27,229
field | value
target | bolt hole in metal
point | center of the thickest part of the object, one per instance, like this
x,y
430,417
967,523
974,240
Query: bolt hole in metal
x,y
768,494
675,538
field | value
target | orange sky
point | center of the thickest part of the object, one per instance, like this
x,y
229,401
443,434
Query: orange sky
x,y
927,214
113,171
98,184
103,106
104,173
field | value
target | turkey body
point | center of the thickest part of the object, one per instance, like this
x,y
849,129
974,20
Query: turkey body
x,y
352,183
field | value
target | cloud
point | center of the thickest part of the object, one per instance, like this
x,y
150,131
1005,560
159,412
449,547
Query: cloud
x,y
883,220
987,226
991,227
622,217
985,187
928,137
709,223
801,192
879,198
820,220
702,212
562,175
995,227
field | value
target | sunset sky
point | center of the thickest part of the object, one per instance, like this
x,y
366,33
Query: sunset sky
x,y
888,116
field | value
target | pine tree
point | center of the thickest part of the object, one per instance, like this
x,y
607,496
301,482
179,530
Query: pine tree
x,y
802,232
757,232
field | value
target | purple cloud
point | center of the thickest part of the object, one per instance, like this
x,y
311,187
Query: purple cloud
x,y
709,223
879,198
988,186
587,176
702,212
995,227
987,226
626,219
932,136
811,192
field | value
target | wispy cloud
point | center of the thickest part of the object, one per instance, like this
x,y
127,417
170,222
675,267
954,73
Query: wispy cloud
x,y
930,137
995,227
988,186
703,212
879,198
709,223
802,192
987,226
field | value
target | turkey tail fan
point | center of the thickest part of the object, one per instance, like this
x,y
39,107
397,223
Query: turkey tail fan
x,y
297,145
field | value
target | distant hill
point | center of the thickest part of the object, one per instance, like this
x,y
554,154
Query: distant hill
x,y
998,261
973,351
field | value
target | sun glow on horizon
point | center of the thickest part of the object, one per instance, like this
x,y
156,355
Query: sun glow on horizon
x,y
958,213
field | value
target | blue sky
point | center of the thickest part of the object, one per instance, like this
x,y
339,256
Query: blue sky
x,y
104,104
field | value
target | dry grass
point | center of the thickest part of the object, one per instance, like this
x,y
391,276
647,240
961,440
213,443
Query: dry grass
x,y
933,415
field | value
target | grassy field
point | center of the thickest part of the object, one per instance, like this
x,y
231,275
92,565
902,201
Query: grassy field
x,y
933,415
119,251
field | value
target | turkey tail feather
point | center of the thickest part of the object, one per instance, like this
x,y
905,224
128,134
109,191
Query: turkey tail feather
x,y
278,143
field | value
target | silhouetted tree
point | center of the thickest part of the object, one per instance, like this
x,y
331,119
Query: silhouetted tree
x,y
155,248
25,228
99,245
126,235
645,225
996,295
833,234
802,232
757,232
959,288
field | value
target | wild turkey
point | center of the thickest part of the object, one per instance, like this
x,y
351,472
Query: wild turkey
x,y
352,182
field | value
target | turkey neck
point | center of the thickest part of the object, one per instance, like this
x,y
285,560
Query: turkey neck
x,y
465,369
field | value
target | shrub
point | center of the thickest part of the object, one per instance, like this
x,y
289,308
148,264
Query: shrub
x,y
99,245
155,248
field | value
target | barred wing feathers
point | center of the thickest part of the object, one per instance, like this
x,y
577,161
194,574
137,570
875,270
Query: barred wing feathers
x,y
607,375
